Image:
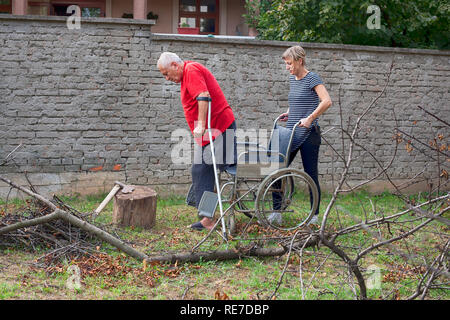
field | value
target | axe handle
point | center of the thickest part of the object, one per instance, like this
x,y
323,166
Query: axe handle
x,y
108,198
120,184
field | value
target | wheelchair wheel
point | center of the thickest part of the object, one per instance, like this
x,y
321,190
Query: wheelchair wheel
x,y
230,221
286,208
227,199
247,204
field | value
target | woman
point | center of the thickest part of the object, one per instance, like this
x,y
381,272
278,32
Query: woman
x,y
308,99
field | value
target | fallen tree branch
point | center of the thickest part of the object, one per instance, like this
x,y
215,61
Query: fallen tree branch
x,y
64,215
9,155
287,262
29,223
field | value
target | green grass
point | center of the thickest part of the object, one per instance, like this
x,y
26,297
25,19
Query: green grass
x,y
249,278
8,291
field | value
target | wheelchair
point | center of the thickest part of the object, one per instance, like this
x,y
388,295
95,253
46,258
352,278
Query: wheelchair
x,y
262,186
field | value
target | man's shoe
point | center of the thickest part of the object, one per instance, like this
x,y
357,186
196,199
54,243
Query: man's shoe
x,y
198,226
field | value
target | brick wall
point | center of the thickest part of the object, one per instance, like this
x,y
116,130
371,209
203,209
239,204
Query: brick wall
x,y
89,106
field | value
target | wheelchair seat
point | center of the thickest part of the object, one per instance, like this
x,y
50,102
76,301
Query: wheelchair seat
x,y
259,162
231,169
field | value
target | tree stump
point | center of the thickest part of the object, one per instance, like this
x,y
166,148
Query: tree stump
x,y
137,208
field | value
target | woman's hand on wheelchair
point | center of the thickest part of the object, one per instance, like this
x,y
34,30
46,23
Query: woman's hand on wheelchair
x,y
283,117
306,122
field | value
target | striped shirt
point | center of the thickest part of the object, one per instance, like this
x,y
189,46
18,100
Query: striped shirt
x,y
303,100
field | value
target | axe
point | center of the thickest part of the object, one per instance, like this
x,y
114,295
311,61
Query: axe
x,y
117,186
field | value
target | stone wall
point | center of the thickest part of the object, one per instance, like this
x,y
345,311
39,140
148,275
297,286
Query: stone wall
x,y
89,106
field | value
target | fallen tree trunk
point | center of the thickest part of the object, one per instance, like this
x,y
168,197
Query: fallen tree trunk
x,y
219,255
105,236
231,254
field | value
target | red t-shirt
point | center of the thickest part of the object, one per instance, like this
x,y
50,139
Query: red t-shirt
x,y
197,79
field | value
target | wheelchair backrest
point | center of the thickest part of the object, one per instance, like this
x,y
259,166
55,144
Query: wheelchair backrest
x,y
259,162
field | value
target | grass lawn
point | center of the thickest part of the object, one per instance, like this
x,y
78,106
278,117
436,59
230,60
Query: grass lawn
x,y
112,275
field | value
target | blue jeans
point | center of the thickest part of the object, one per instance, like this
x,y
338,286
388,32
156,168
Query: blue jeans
x,y
203,171
309,151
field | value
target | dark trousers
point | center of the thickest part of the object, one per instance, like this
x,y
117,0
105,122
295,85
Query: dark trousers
x,y
203,171
309,151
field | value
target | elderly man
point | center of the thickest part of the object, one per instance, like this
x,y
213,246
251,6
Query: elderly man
x,y
198,82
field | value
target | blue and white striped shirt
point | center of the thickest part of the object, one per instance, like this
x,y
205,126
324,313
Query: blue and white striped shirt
x,y
303,100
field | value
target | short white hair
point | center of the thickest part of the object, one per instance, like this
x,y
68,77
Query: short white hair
x,y
167,58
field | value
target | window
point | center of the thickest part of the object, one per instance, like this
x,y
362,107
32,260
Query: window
x,y
38,8
5,6
92,8
203,14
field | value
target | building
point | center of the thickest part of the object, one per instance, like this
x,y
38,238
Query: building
x,y
219,17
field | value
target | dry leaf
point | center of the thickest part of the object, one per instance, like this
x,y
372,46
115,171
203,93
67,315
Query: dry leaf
x,y
219,296
145,265
409,148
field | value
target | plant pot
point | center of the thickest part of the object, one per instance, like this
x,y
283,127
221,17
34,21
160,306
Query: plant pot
x,y
252,32
188,30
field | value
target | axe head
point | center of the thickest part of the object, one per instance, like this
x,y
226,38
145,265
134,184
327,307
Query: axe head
x,y
124,187
127,189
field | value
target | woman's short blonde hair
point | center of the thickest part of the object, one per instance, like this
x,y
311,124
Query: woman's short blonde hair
x,y
295,53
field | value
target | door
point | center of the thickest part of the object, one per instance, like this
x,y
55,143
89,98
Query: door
x,y
203,14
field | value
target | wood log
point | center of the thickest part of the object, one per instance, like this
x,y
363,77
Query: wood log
x,y
137,208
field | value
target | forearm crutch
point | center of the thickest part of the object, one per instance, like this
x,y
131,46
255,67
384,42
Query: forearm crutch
x,y
216,177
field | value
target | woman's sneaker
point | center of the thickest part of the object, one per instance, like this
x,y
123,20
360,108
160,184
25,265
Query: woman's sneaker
x,y
314,220
275,218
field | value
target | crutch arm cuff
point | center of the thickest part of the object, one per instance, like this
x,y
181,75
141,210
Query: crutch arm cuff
x,y
203,99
